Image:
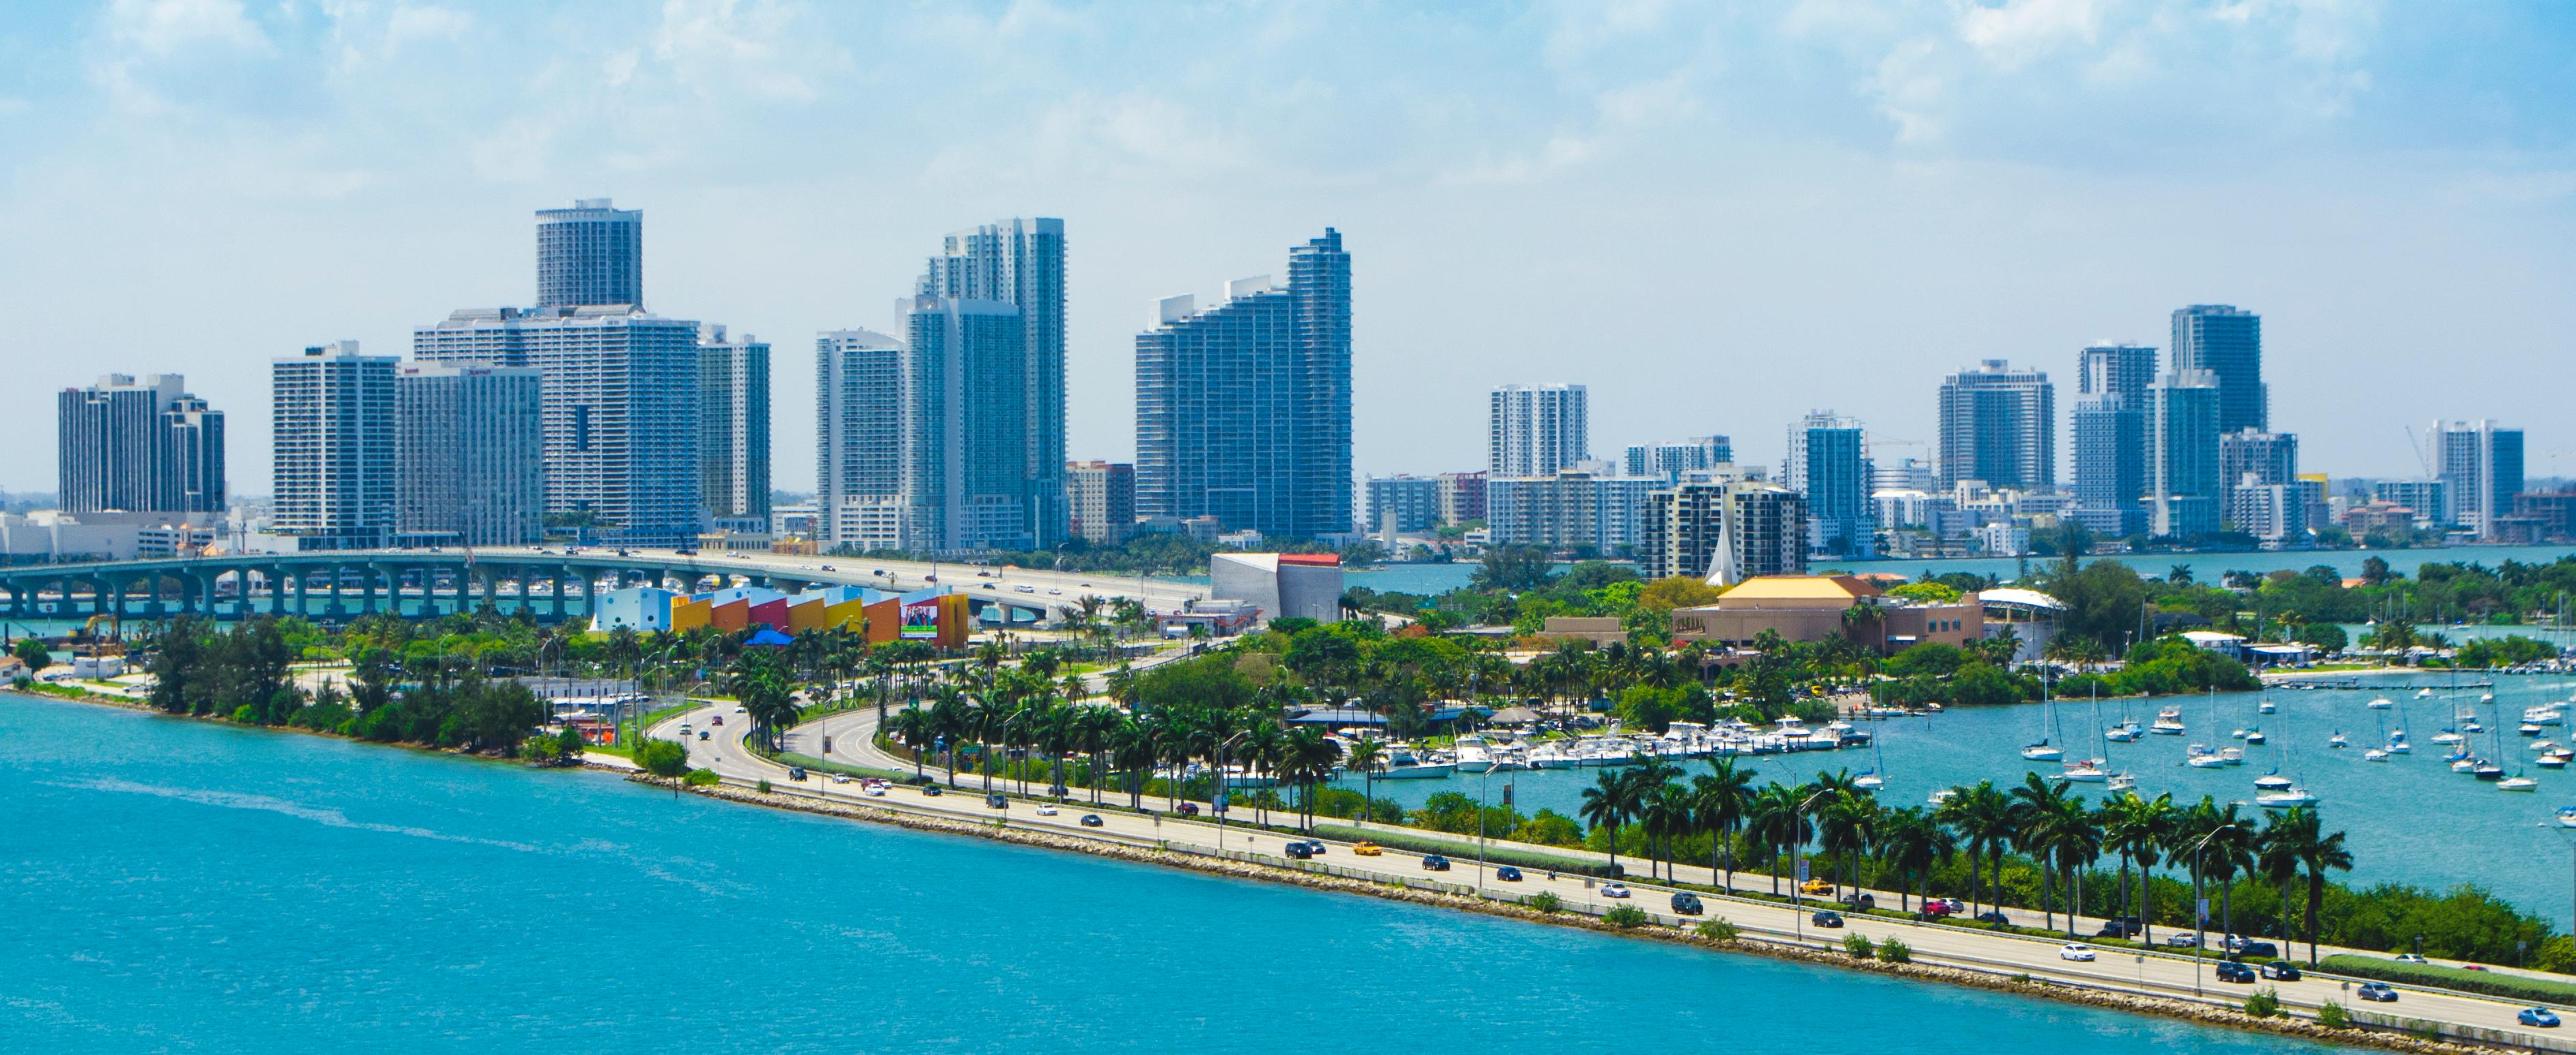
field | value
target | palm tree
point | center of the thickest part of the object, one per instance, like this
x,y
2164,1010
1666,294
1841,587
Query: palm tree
x,y
1913,841
1609,803
1983,816
2277,855
1309,758
1664,811
2039,807
2136,828
913,726
2317,853
1367,755
1775,819
1845,828
1721,797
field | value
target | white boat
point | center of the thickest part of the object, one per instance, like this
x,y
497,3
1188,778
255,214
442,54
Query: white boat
x,y
1869,781
2083,771
2397,745
2168,722
2123,733
1402,763
2337,740
2464,765
2487,697
2203,758
2234,756
2424,695
2544,746
2382,703
2123,781
2285,799
2042,752
2238,734
2265,707
2550,761
2446,736
2567,816
1941,797
2254,736
2272,782
2528,729
2374,755
2517,783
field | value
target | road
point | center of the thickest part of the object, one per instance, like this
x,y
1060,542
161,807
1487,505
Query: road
x,y
2151,973
1052,588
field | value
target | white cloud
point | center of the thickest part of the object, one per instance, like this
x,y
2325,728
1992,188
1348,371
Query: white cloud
x,y
2014,34
728,47
165,27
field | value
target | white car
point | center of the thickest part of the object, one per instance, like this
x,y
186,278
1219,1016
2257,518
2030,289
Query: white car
x,y
2077,953
742,710
1614,890
1046,811
875,790
840,778
2408,957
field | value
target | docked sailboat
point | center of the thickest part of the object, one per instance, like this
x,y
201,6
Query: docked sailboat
x,y
2382,703
2374,755
2567,816
2254,737
2265,706
2084,771
2448,736
2337,740
2203,758
2272,781
2285,798
2517,782
2042,751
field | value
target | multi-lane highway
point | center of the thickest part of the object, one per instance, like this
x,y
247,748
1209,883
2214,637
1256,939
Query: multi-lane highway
x,y
2149,973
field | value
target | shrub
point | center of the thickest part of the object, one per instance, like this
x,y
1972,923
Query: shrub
x,y
2333,1016
1546,901
764,785
699,778
1858,946
2424,1029
1718,929
2263,1003
662,758
1894,951
1625,917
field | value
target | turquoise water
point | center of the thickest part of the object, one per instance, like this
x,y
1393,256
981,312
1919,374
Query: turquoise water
x,y
2206,567
2409,819
176,886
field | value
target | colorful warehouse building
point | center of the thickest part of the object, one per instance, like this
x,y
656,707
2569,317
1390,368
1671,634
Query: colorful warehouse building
x,y
935,616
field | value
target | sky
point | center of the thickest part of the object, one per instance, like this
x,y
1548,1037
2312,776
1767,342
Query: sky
x,y
1718,216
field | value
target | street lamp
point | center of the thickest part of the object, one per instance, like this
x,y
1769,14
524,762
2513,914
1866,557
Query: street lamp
x,y
1216,798
1797,841
2199,911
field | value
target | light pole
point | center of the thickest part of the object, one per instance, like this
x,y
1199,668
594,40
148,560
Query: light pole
x,y
1798,841
2199,910
1216,798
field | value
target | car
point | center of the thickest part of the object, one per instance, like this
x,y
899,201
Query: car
x,y
1934,910
684,728
2537,1016
1994,916
2256,950
1367,849
2377,993
983,575
1815,886
1826,918
1315,846
742,710
1860,902
1952,905
703,734
2473,967
1615,890
1299,851
2408,957
716,720
1025,589
990,586
1189,809
795,772
1507,874
996,802
840,778
1047,811
931,791
2281,971
2232,971
2122,927
1092,820
1686,903
2183,940
828,567
2075,952
874,790
1434,863
1055,593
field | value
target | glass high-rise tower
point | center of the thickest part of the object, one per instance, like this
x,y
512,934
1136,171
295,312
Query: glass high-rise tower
x,y
1243,410
590,254
2227,342
1999,425
1828,463
2110,426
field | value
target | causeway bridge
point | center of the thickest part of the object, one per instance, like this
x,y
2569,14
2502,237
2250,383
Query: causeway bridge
x,y
548,584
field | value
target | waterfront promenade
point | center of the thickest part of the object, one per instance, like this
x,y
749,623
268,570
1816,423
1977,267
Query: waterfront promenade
x,y
2145,973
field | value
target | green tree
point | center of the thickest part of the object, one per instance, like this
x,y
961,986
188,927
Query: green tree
x,y
1608,804
32,652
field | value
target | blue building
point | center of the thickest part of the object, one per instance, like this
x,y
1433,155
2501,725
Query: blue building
x,y
2227,342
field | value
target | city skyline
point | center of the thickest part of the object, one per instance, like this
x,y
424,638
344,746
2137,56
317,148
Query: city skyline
x,y
2381,206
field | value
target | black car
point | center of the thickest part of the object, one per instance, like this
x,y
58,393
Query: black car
x,y
2121,927
795,772
1860,902
2281,971
1686,903
1315,847
1826,918
1993,916
1300,851
1434,863
1091,820
2377,993
997,802
1507,874
931,791
2232,971
2257,950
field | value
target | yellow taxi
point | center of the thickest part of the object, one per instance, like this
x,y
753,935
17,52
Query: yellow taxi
x,y
1815,886
1367,849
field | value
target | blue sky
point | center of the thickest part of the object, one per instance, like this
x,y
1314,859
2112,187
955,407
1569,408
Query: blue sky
x,y
1718,216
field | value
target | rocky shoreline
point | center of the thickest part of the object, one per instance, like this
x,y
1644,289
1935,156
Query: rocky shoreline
x,y
2204,1014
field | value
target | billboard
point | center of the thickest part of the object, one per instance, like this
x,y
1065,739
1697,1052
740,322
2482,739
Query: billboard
x,y
921,620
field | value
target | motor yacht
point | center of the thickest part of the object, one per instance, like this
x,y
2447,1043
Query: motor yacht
x,y
2382,703
2374,755
1941,797
2272,782
2123,782
2168,722
2233,756
2285,798
2517,783
2203,758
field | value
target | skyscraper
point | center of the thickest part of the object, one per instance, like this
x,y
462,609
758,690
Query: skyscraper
x,y
621,410
2182,419
1402,503
1535,430
2110,426
333,455
858,381
733,425
2481,465
1999,425
1101,499
1018,263
1828,463
1671,460
1243,411
1725,530
469,441
143,446
590,254
2229,344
